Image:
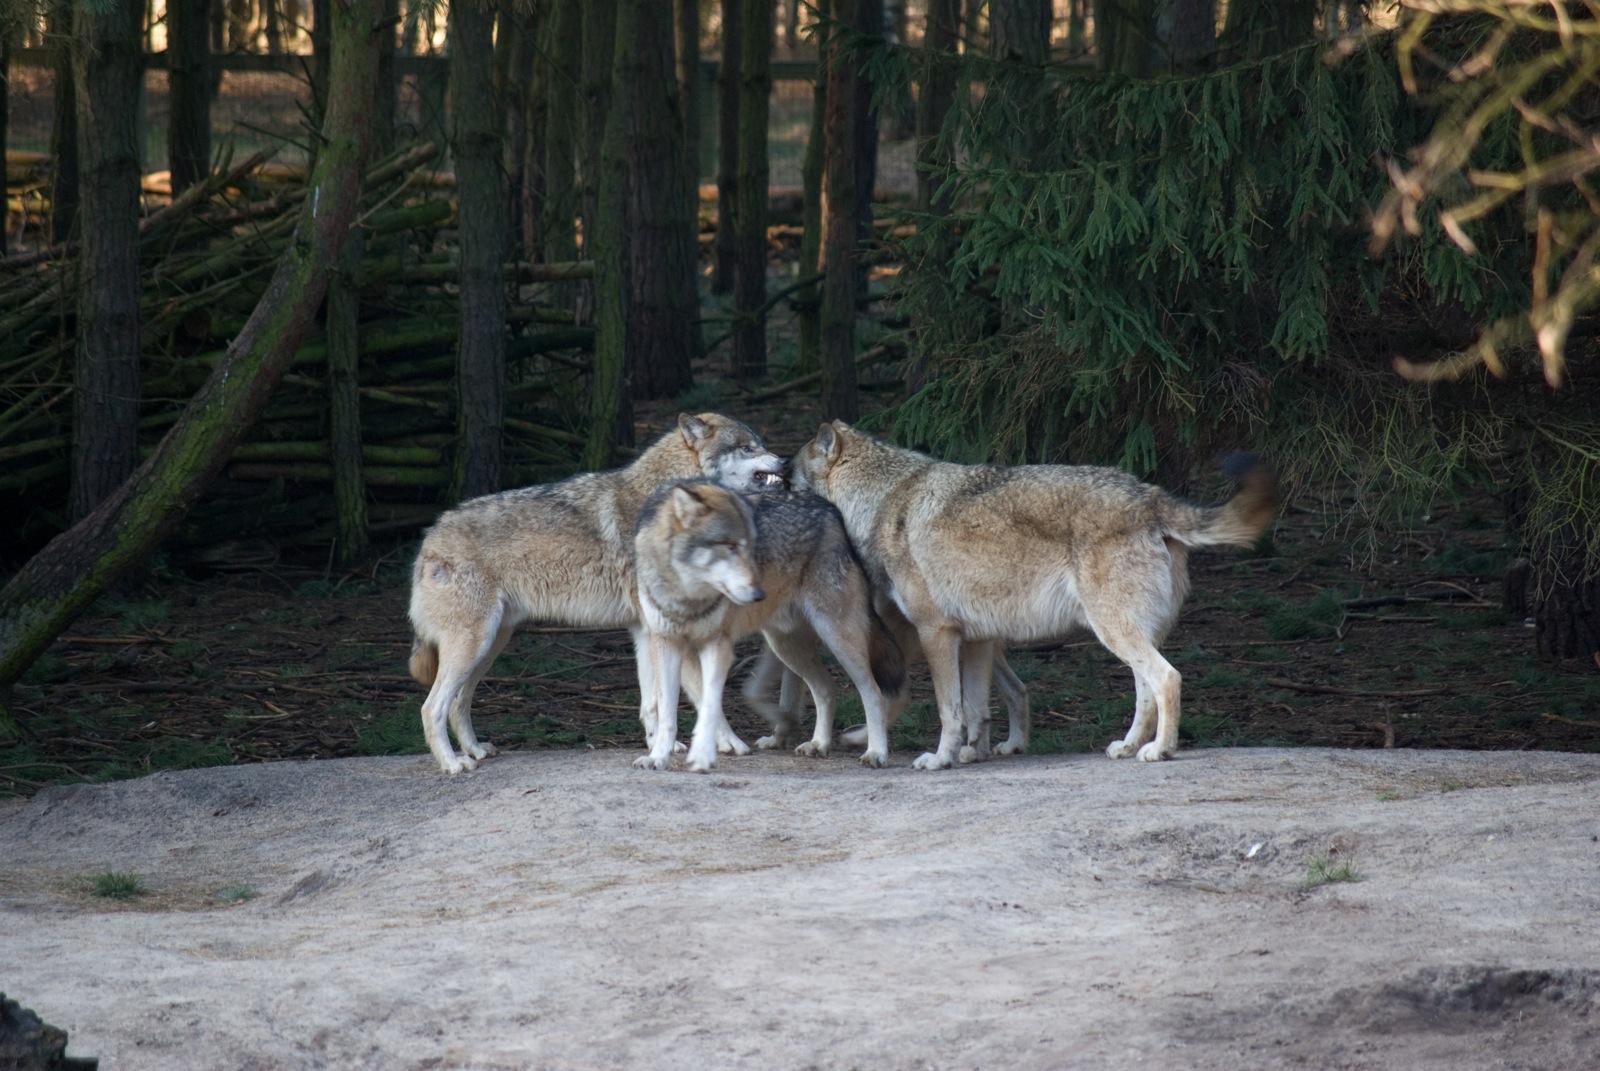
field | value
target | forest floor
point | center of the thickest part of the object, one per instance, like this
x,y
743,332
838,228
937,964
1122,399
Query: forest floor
x,y
1238,907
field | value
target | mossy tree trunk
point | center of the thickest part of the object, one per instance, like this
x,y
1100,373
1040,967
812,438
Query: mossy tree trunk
x,y
840,252
806,299
61,581
189,91
726,247
605,230
481,350
660,231
107,69
63,125
750,220
344,405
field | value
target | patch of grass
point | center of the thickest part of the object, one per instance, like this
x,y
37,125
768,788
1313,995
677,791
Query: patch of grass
x,y
356,656
1221,677
1462,559
399,732
1096,724
1329,868
1388,795
138,615
49,669
1474,620
117,885
237,894
1319,617
315,589
1448,785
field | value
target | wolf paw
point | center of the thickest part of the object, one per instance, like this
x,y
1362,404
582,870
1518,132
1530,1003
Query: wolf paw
x,y
483,750
452,765
1011,747
1119,749
968,753
855,736
1154,752
650,762
468,762
770,743
931,760
812,749
732,745
874,760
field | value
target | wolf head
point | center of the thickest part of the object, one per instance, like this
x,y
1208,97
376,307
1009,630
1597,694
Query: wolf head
x,y
730,452
713,541
813,463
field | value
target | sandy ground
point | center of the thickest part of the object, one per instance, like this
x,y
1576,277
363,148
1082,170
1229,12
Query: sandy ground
x,y
562,910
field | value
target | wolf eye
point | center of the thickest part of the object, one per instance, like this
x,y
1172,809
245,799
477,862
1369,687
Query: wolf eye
x,y
749,448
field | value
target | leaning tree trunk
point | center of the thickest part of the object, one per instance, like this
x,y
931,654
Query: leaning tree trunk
x,y
63,126
661,232
726,246
481,349
839,251
807,298
189,90
60,582
750,221
610,412
107,69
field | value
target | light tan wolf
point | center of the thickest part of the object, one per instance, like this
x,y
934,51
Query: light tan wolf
x,y
975,554
714,566
559,553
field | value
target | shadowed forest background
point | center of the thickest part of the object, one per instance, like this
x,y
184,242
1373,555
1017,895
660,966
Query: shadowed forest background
x,y
282,280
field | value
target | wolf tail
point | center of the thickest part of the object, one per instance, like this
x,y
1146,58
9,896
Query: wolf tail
x,y
424,661
1237,522
884,655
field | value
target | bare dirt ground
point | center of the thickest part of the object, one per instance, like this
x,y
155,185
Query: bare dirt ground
x,y
560,909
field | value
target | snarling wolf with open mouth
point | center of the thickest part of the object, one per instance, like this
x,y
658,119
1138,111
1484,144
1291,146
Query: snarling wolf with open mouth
x,y
979,554
559,553
714,566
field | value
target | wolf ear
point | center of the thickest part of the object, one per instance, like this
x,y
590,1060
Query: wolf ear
x,y
829,441
693,429
687,506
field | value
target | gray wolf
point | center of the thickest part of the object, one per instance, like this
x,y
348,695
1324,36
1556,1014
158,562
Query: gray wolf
x,y
558,553
714,566
975,554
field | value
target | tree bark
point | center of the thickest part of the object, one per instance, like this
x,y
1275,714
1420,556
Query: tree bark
x,y
562,58
60,582
6,30
189,91
869,20
320,44
344,402
63,127
660,233
481,350
599,56
515,50
1125,36
726,248
1191,36
107,69
274,28
610,412
687,26
750,221
1019,30
840,254
938,93
807,299
384,104
791,26
1257,28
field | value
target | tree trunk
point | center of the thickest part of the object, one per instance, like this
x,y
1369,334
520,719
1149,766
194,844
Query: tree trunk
x,y
791,26
750,293
344,401
902,108
320,44
514,62
269,9
610,412
1125,36
5,113
807,298
384,105
219,45
1077,24
557,148
726,247
1191,35
869,19
599,56
107,68
840,254
481,351
189,91
1257,28
60,582
64,127
660,232
938,93
1019,30
687,23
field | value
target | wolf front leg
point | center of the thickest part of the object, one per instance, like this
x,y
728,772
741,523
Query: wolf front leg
x,y
667,660
942,646
716,659
977,667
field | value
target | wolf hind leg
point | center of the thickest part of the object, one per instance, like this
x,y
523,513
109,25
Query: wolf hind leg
x,y
798,650
977,668
1157,684
768,675
1144,722
459,658
1015,694
461,709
